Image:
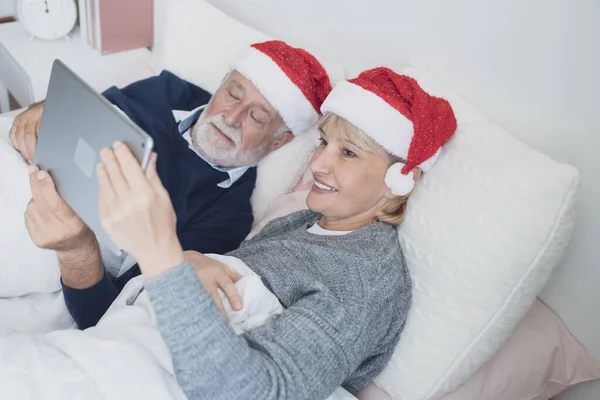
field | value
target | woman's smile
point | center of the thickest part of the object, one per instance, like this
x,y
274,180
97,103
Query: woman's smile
x,y
320,187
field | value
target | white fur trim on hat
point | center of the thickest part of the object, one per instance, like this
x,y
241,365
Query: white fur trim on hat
x,y
287,98
397,182
369,112
427,164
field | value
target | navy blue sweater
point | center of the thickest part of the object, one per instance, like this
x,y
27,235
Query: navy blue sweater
x,y
210,219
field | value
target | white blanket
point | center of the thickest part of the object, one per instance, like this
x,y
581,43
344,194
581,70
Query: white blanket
x,y
123,357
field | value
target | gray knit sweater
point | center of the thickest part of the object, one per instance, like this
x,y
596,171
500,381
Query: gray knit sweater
x,y
345,297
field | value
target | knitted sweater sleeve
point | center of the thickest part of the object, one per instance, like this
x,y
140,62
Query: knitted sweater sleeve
x,y
304,353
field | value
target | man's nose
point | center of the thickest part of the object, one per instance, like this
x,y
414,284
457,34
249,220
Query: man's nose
x,y
234,116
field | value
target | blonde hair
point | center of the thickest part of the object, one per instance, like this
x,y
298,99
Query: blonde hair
x,y
394,211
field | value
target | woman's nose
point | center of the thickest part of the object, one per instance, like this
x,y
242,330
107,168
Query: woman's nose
x,y
321,161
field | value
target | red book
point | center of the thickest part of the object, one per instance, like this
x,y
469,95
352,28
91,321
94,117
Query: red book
x,y
124,25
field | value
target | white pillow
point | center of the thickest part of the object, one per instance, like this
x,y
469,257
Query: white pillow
x,y
484,229
198,43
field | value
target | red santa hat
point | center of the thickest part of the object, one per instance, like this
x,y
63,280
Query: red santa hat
x,y
399,115
291,79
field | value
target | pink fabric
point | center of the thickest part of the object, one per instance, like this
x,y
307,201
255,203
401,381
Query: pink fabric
x,y
540,359
286,204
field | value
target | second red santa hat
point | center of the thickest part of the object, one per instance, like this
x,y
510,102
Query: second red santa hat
x,y
399,115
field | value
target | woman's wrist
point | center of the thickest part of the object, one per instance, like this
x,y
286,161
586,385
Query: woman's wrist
x,y
161,259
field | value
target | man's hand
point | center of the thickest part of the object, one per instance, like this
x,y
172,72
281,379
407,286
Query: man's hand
x,y
51,223
215,275
24,131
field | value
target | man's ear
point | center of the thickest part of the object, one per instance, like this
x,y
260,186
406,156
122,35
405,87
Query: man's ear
x,y
281,139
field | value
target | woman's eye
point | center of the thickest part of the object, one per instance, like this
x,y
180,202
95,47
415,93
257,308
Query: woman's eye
x,y
349,153
322,142
233,96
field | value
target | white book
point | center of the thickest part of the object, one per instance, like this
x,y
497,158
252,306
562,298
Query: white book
x,y
83,30
97,25
88,19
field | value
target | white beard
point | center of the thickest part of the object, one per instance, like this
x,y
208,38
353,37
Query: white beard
x,y
209,142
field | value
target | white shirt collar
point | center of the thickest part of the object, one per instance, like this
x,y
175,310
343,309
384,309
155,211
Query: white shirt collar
x,y
183,117
317,230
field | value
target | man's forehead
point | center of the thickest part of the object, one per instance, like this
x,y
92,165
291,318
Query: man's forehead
x,y
237,79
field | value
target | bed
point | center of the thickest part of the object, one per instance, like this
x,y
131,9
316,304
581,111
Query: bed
x,y
490,362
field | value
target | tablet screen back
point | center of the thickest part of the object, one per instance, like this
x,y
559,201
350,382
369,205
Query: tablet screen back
x,y
76,124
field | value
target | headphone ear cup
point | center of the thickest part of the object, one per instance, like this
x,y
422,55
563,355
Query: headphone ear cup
x,y
399,183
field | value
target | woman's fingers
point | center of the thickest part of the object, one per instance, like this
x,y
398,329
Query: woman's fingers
x,y
152,174
228,287
233,275
129,166
114,172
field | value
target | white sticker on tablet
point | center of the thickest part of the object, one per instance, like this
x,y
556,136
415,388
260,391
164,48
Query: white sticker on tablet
x,y
85,157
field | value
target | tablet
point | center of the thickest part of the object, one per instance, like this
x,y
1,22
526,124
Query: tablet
x,y
76,124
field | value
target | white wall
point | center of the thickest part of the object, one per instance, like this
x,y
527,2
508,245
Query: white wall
x,y
8,7
531,66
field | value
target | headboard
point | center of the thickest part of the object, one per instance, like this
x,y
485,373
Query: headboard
x,y
532,67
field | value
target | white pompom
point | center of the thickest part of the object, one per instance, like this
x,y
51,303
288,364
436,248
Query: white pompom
x,y
399,183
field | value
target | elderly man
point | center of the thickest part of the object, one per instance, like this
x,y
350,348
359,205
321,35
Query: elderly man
x,y
206,155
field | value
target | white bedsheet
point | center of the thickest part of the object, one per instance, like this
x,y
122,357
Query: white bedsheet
x,y
123,357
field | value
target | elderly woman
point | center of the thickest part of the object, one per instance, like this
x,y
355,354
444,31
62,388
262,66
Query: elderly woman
x,y
337,269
